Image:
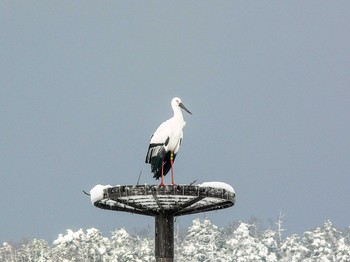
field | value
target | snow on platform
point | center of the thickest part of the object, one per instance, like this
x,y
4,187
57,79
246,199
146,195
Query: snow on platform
x,y
219,185
151,199
96,193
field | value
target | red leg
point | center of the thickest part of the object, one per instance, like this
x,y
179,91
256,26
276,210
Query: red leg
x,y
172,169
162,181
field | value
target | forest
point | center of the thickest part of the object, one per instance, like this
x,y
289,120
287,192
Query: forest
x,y
203,241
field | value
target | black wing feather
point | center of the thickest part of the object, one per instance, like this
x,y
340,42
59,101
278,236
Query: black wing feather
x,y
156,155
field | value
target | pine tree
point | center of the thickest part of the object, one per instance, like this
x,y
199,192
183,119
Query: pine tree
x,y
322,242
126,248
293,250
98,247
8,252
121,246
70,247
35,250
269,239
340,250
202,242
243,246
143,249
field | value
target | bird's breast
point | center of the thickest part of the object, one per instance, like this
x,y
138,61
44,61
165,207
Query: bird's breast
x,y
174,140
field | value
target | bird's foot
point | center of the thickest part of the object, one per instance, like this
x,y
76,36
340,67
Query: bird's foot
x,y
162,185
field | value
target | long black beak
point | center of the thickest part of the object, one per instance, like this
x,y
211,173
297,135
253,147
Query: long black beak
x,y
184,108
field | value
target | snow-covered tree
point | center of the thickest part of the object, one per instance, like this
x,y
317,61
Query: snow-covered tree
x,y
97,246
320,249
280,229
121,246
242,246
202,242
8,252
341,250
179,238
323,243
35,250
126,248
143,249
269,239
78,246
293,250
68,247
342,254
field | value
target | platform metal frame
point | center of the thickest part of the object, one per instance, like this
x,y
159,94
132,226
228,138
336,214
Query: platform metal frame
x,y
165,203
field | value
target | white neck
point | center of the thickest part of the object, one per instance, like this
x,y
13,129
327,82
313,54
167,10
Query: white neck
x,y
178,113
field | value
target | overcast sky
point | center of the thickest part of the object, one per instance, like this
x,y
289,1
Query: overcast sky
x,y
84,84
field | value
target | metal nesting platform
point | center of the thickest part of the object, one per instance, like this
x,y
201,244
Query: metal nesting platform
x,y
164,203
176,200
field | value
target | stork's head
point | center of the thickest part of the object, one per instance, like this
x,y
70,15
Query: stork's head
x,y
176,102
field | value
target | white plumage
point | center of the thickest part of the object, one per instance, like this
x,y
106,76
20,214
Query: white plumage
x,y
166,141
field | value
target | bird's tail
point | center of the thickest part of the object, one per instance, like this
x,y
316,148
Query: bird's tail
x,y
155,157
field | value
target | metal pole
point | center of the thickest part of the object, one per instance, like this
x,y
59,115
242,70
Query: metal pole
x,y
164,237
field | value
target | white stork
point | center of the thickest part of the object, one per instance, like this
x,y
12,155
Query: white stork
x,y
165,143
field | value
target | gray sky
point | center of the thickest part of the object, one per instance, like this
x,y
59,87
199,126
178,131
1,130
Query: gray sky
x,y
84,85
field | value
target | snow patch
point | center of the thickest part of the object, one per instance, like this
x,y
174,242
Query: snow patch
x,y
97,192
219,185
